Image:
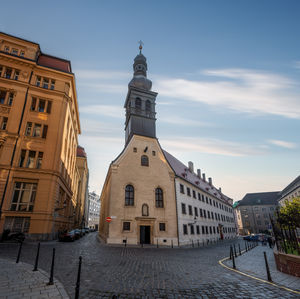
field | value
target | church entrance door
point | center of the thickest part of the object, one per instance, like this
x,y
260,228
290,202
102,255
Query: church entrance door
x,y
145,234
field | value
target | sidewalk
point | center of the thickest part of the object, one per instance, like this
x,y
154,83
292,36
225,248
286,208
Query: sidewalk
x,y
19,281
253,263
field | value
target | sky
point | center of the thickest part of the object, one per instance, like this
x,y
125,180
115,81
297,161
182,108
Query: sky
x,y
226,72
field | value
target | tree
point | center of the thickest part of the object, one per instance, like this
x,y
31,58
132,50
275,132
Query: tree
x,y
289,214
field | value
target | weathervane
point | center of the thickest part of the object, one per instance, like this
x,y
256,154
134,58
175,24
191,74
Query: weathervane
x,y
141,46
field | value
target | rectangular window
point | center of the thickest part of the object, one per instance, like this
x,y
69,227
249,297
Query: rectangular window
x,y
14,51
204,213
38,81
208,214
216,216
210,231
10,99
45,83
198,229
17,224
28,129
31,158
185,231
190,210
183,209
199,196
39,160
196,211
49,107
33,104
2,96
206,199
22,53
22,158
4,123
217,229
17,74
212,215
45,130
192,230
1,69
23,197
52,84
202,196
206,230
194,193
188,191
162,227
210,201
8,73
201,213
42,106
126,225
37,130
181,189
214,230
203,230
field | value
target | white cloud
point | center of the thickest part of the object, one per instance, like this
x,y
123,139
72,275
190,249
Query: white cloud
x,y
243,90
210,146
282,143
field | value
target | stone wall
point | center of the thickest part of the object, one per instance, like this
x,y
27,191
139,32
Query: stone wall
x,y
287,263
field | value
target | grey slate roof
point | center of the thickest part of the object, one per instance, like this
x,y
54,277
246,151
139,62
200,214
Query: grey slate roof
x,y
262,198
291,187
184,173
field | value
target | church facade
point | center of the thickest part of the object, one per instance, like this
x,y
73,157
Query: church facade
x,y
141,193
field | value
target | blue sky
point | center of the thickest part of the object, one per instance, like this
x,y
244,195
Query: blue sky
x,y
226,72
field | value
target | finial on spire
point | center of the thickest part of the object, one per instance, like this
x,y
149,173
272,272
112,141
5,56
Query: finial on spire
x,y
141,46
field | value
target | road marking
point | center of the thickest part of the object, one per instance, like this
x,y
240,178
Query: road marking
x,y
253,277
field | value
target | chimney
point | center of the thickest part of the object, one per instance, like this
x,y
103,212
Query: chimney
x,y
203,176
199,173
191,167
210,181
220,189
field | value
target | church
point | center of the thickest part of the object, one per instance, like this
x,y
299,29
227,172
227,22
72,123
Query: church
x,y
150,197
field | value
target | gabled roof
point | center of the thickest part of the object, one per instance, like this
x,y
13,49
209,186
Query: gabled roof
x,y
262,198
290,187
184,173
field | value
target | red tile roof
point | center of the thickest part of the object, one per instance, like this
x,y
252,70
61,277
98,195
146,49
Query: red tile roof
x,y
81,152
54,62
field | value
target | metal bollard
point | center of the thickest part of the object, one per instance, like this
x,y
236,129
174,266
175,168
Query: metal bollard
x,y
52,268
230,253
19,252
37,258
172,243
78,279
142,244
240,250
234,251
267,267
246,247
233,261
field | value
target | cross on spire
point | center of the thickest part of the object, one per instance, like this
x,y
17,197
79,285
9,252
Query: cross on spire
x,y
141,46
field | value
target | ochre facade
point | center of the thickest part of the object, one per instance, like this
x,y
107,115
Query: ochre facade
x,y
39,121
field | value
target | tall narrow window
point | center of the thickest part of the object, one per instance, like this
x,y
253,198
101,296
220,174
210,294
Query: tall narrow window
x,y
22,53
138,104
46,83
129,195
8,73
145,210
14,51
45,130
144,160
28,129
52,84
4,123
17,74
42,105
148,108
2,96
37,130
39,160
1,69
159,199
31,158
10,98
33,104
38,81
22,158
49,107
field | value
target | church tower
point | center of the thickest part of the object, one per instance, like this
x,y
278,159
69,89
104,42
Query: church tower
x,y
140,102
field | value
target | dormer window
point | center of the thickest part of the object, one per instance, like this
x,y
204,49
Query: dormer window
x,y
22,53
14,51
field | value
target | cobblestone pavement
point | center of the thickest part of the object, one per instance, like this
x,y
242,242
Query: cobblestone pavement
x,y
109,271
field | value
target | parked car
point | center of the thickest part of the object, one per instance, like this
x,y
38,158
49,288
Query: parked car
x,y
12,236
67,236
87,230
78,233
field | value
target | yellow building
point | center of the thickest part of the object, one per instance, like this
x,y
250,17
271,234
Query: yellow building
x,y
39,125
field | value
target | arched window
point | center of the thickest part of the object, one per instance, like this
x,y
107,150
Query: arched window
x,y
159,198
145,210
148,106
129,195
144,160
138,104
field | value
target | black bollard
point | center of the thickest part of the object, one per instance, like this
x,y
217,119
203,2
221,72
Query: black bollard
x,y
246,247
78,279
267,267
52,268
230,253
142,244
172,243
234,251
240,250
233,261
37,258
19,252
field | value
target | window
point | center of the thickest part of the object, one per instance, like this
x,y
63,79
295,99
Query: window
x,y
198,229
10,98
31,158
153,153
14,51
202,196
183,208
196,211
210,201
199,196
144,160
1,68
212,215
204,213
17,74
22,158
181,189
192,230
33,104
190,210
210,231
206,199
271,209
2,96
145,210
42,105
216,216
126,225
134,149
185,231
194,193
45,130
214,230
129,195
23,197
52,84
162,227
28,129
206,230
4,123
17,224
188,191
159,200
37,130
201,213
203,230
208,214
39,160
38,81
6,49
45,83
8,73
148,106
138,104
22,53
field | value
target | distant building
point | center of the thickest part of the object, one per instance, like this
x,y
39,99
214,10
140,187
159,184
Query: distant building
x,y
94,210
39,126
291,191
253,212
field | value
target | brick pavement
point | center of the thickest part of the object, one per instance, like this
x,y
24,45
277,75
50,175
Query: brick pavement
x,y
131,272
19,281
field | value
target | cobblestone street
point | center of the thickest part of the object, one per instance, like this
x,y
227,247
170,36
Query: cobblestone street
x,y
144,272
